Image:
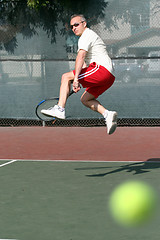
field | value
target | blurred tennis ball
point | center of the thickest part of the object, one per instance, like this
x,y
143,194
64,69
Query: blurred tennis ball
x,y
132,203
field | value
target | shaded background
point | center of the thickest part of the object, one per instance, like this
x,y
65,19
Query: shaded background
x,y
37,47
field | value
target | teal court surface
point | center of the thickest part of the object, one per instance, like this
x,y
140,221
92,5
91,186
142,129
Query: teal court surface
x,y
55,183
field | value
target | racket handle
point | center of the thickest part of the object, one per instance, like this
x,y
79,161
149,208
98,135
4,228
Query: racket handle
x,y
71,93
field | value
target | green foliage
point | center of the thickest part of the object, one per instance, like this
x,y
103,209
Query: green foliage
x,y
37,4
26,15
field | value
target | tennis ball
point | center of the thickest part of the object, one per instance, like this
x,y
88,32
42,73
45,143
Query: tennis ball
x,y
132,203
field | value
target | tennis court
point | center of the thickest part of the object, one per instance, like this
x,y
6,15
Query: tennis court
x,y
56,182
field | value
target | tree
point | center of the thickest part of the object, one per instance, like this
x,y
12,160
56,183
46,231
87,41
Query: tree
x,y
25,16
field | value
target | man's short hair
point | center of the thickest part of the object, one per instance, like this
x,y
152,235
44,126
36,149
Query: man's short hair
x,y
79,15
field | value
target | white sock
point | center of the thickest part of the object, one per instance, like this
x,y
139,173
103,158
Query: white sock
x,y
105,114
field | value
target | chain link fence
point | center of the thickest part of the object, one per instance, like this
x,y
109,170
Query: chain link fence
x,y
32,72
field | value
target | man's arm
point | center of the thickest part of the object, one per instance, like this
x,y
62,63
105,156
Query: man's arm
x,y
78,67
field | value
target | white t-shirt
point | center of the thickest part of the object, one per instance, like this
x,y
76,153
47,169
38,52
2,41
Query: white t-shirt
x,y
96,49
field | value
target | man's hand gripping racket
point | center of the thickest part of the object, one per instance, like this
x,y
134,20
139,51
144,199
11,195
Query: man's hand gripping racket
x,y
76,85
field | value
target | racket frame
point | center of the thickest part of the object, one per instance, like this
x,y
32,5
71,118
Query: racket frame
x,y
45,100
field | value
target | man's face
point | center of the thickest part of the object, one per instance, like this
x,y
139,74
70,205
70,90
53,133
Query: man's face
x,y
78,26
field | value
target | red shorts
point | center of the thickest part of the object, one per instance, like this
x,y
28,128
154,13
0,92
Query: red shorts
x,y
96,79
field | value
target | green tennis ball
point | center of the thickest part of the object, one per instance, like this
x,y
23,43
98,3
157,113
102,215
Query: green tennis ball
x,y
132,203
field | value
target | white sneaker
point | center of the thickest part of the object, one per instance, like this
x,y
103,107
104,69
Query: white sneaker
x,y
111,122
55,111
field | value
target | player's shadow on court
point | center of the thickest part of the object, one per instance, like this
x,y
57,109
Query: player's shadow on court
x,y
135,168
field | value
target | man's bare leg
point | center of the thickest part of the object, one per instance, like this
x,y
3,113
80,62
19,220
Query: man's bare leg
x,y
58,111
110,116
89,101
65,87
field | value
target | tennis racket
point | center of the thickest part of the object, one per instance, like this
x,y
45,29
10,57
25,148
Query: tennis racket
x,y
45,104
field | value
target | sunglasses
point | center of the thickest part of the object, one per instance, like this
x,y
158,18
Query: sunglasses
x,y
75,25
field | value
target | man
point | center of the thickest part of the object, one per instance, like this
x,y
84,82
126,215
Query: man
x,y
93,70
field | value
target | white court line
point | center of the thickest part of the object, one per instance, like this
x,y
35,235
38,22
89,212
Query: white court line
x,y
63,160
4,164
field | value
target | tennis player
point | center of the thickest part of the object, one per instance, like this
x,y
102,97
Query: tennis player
x,y
93,70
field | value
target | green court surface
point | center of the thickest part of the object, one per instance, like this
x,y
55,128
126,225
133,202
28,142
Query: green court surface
x,y
51,200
